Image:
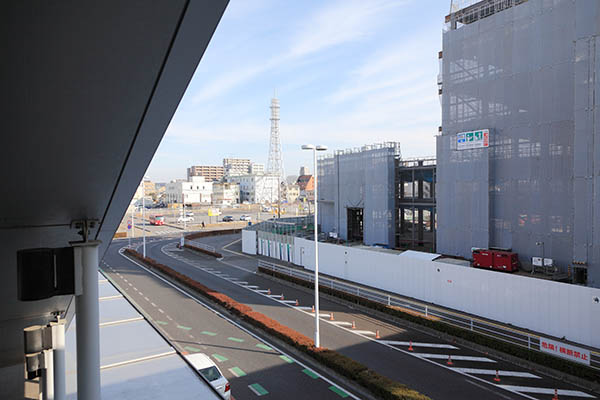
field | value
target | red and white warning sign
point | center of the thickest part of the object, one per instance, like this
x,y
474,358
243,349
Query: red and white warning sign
x,y
570,352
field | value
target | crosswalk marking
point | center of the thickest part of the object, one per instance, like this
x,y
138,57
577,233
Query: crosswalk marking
x,y
538,390
417,344
364,332
454,357
493,372
342,323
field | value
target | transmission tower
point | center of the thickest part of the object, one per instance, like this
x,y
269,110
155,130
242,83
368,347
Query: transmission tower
x,y
275,161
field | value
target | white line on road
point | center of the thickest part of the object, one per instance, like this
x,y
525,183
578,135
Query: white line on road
x,y
501,373
153,305
365,332
341,323
454,357
538,390
417,344
161,311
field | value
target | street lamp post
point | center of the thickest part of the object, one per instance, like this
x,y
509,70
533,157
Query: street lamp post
x,y
314,150
144,213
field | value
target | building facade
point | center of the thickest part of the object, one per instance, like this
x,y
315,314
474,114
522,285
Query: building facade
x,y
357,196
257,169
306,186
194,191
225,194
236,166
257,189
210,173
292,193
523,74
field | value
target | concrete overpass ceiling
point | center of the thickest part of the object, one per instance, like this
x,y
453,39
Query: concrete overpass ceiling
x,y
88,92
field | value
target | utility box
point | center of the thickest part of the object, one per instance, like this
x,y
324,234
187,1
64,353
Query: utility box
x,y
496,259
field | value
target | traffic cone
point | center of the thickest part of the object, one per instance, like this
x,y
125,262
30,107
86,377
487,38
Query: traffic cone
x,y
497,377
410,348
449,362
269,291
555,394
331,317
353,325
313,309
297,303
377,334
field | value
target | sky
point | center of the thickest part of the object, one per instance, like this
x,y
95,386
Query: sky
x,y
347,73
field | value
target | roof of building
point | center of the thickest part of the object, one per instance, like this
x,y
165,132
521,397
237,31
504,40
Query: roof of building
x,y
305,182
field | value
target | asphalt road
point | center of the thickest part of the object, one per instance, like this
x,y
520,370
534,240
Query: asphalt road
x,y
253,366
425,369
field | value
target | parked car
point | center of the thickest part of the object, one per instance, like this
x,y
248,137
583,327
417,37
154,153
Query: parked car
x,y
209,370
185,219
265,209
228,218
189,214
245,218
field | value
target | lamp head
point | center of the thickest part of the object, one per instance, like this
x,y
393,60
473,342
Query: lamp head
x,y
321,148
308,147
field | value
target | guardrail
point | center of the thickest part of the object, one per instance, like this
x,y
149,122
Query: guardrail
x,y
202,246
492,329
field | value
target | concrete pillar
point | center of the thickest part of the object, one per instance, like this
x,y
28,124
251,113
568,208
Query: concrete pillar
x,y
88,329
58,345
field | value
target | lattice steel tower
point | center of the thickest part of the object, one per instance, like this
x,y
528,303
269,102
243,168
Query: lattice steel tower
x,y
275,163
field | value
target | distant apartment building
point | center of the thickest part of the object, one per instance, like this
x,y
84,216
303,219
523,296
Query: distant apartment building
x,y
236,166
195,191
225,194
209,172
257,188
292,193
304,171
257,169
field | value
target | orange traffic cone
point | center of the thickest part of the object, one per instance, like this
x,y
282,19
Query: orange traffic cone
x,y
377,334
353,325
497,377
555,394
268,291
410,348
449,362
297,303
313,309
331,317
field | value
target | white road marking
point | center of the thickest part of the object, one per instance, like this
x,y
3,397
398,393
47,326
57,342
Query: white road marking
x,y
289,301
141,294
261,291
501,373
454,357
341,323
116,296
153,305
364,332
251,388
538,390
418,344
147,299
161,311
275,296
252,286
169,318
303,308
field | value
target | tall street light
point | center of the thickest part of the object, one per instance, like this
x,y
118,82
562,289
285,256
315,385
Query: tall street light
x,y
144,212
314,150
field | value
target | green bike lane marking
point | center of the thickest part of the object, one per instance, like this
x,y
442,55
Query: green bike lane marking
x,y
192,349
287,359
187,328
233,339
208,333
161,322
338,391
263,346
220,358
237,372
258,389
310,373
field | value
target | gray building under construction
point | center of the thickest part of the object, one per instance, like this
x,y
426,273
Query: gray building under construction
x,y
518,159
357,194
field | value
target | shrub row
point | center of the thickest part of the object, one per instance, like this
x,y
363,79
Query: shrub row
x,y
381,386
210,253
547,360
197,235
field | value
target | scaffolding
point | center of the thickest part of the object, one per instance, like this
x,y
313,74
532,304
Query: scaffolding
x,y
469,11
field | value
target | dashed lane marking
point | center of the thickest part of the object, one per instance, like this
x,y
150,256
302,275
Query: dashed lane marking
x,y
187,328
161,322
338,391
153,305
364,332
237,372
207,333
310,373
264,347
454,357
220,358
341,323
538,390
161,311
287,359
417,344
501,373
169,318
234,339
258,389
192,349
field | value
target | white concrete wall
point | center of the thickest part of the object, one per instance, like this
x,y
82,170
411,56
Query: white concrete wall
x,y
552,308
249,242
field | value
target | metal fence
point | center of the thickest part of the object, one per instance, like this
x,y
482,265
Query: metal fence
x,y
488,328
203,246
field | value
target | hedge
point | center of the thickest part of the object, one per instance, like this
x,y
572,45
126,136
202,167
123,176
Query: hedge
x,y
197,235
379,385
547,360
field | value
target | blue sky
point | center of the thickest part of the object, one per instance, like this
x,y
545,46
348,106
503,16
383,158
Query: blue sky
x,y
347,73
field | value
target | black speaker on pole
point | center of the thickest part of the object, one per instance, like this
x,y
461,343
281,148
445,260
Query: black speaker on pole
x,y
43,273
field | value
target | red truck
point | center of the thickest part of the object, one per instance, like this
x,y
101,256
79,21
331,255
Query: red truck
x,y
499,260
157,220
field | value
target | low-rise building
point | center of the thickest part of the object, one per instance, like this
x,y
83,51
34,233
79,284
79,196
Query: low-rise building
x,y
257,188
292,193
196,190
306,185
226,194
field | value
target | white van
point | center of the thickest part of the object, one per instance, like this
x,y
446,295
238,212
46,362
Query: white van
x,y
209,370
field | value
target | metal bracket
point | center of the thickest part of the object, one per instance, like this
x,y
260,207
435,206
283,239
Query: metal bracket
x,y
84,226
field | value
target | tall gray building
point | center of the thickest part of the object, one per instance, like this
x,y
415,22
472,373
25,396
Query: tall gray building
x,y
525,71
356,194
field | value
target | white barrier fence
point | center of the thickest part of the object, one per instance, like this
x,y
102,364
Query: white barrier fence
x,y
200,245
249,242
553,308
